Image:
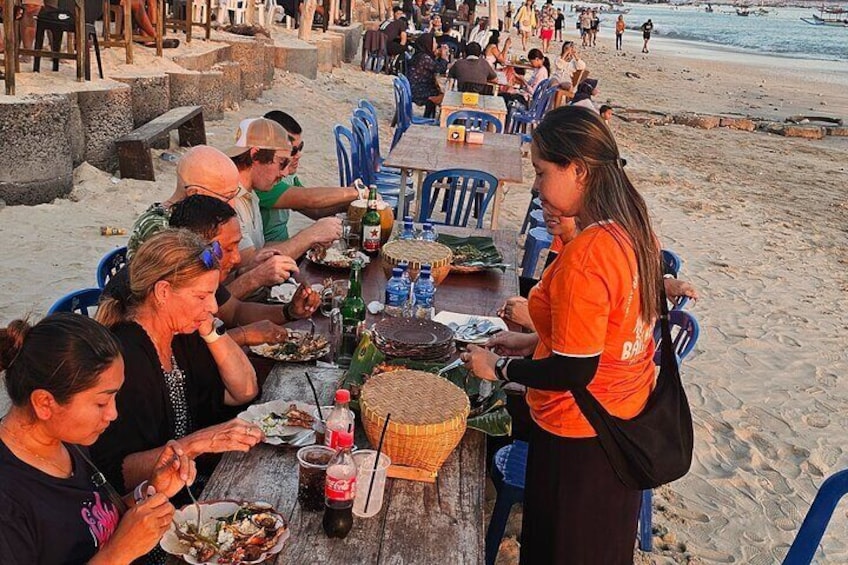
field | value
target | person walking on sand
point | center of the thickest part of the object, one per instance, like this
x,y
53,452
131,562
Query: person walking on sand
x,y
547,19
560,19
646,28
619,32
526,19
596,24
586,27
507,23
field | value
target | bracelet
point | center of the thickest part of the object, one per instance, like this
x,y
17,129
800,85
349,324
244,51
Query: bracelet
x,y
211,337
287,315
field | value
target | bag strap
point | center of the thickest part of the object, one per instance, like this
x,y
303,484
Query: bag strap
x,y
668,359
99,480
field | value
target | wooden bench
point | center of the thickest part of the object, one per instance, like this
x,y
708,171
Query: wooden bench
x,y
134,148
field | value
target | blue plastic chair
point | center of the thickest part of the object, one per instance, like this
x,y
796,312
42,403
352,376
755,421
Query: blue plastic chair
x,y
110,264
465,189
535,204
807,541
77,302
537,240
537,219
518,119
374,123
401,123
371,137
388,186
476,120
407,99
346,154
671,262
508,475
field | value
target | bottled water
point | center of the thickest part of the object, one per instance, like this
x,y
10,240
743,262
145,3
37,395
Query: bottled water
x,y
396,293
429,234
425,292
408,230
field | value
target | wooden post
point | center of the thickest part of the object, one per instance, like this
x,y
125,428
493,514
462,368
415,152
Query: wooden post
x,y
334,13
160,25
306,17
493,15
128,29
80,40
11,40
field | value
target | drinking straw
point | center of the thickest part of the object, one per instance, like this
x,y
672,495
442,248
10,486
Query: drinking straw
x,y
314,395
376,460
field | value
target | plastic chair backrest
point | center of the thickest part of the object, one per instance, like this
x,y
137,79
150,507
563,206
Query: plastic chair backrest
x,y
110,264
671,262
406,90
370,125
806,543
346,154
684,334
475,119
462,189
374,124
363,166
543,102
77,302
403,121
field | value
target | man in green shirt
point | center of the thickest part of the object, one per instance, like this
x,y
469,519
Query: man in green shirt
x,y
290,194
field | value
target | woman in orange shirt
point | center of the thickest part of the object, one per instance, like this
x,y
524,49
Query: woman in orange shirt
x,y
594,310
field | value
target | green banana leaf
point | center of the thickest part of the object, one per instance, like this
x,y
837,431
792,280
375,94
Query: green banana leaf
x,y
488,415
490,257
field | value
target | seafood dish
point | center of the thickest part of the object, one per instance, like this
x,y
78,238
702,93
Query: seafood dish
x,y
336,258
300,346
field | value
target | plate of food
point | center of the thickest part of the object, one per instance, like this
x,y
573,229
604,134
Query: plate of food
x,y
300,347
281,420
283,293
229,533
473,254
335,258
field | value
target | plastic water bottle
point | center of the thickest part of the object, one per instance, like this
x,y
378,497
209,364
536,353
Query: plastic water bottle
x,y
340,490
425,292
408,230
339,422
429,234
396,293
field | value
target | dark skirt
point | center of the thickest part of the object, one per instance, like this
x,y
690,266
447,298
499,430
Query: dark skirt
x,y
576,510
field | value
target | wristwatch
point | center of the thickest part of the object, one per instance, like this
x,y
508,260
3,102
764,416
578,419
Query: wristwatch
x,y
500,368
218,330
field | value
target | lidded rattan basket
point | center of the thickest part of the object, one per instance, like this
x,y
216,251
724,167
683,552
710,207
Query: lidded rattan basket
x,y
428,418
418,252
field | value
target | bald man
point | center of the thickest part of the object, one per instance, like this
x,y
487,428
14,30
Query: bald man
x,y
206,170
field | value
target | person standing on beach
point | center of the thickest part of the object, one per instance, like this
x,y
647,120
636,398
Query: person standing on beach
x,y
646,28
507,23
586,27
619,32
560,19
526,19
596,24
547,19
594,312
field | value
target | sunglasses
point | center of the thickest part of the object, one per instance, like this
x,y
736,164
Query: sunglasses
x,y
282,162
211,255
225,197
296,149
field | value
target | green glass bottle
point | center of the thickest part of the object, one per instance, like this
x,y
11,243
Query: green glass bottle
x,y
371,229
353,316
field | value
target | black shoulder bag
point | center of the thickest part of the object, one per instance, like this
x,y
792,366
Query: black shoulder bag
x,y
655,447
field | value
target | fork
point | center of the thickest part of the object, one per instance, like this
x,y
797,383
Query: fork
x,y
196,505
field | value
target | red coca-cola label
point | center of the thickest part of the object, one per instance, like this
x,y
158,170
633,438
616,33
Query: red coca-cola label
x,y
341,489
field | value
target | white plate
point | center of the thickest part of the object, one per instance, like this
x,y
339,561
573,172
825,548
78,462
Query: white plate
x,y
446,318
171,543
257,413
283,293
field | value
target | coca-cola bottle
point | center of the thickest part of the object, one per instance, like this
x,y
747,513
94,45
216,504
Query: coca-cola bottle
x,y
340,489
339,422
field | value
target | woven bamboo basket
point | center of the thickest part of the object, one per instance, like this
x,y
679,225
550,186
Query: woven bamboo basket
x,y
418,252
428,418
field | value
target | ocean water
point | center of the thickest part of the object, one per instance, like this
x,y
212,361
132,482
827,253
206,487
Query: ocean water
x,y
781,32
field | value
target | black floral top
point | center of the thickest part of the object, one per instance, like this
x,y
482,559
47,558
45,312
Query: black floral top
x,y
422,77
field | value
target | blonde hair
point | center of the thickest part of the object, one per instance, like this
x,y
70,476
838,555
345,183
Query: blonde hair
x,y
172,255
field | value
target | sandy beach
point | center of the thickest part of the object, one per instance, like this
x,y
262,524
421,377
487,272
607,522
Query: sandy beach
x,y
759,220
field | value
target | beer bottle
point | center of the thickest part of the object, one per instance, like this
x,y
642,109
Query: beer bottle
x,y
371,229
353,315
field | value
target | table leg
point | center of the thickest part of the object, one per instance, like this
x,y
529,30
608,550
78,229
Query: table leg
x,y
189,19
128,29
11,46
80,39
496,206
404,174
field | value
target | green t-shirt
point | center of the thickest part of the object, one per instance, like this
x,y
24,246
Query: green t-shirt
x,y
150,222
275,220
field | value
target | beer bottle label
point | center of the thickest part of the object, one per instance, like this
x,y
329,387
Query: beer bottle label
x,y
371,238
338,488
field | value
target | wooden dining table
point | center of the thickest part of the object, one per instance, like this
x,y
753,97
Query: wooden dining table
x,y
426,148
452,102
441,522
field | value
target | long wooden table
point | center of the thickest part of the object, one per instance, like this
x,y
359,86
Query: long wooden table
x,y
426,148
419,523
452,102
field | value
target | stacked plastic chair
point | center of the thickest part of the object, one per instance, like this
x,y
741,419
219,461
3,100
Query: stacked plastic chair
x,y
522,121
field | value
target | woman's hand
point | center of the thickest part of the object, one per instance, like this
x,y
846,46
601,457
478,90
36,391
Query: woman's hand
x,y
263,331
304,302
481,362
173,470
138,532
516,310
513,344
207,326
235,435
676,288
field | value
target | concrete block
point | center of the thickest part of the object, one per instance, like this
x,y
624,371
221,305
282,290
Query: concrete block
x,y
325,55
105,115
787,130
645,117
150,96
184,88
250,55
743,124
352,39
337,40
205,60
697,120
297,57
212,95
231,89
36,164
837,131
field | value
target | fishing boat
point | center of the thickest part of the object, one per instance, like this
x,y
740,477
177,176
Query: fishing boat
x,y
830,16
743,11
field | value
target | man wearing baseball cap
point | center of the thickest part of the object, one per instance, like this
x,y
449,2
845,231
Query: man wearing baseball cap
x,y
262,154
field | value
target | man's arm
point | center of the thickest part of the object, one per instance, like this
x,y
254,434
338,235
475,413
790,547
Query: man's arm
x,y
298,197
236,313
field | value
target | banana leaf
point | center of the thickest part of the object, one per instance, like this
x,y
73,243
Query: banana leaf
x,y
485,254
488,415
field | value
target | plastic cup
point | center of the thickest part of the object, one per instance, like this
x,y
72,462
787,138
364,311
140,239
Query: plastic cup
x,y
365,470
312,474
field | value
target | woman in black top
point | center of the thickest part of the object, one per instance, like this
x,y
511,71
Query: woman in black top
x,y
423,70
181,373
62,376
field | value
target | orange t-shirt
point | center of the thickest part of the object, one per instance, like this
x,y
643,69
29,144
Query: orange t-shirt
x,y
587,304
556,245
619,26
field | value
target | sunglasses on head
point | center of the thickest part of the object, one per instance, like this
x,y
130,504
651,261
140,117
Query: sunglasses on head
x,y
296,149
210,254
225,197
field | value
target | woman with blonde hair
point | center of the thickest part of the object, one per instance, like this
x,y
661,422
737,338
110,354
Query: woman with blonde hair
x,y
526,19
182,372
594,311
